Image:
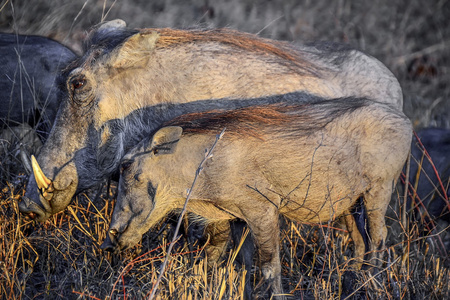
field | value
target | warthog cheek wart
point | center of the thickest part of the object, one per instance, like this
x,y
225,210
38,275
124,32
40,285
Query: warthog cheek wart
x,y
151,190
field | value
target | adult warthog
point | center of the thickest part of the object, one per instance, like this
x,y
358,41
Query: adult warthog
x,y
124,72
309,162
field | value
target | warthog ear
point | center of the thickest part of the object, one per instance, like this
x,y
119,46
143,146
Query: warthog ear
x,y
135,51
166,139
105,28
112,25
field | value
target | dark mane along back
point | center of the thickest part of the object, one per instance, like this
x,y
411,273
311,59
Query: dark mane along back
x,y
283,118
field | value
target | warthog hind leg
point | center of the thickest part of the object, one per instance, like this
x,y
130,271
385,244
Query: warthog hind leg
x,y
376,201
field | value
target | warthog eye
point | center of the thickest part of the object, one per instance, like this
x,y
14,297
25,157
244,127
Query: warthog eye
x,y
78,83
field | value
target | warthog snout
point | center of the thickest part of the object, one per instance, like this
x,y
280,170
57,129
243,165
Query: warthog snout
x,y
43,191
31,209
45,196
112,243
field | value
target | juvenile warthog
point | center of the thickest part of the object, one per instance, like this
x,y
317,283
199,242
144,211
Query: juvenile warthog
x,y
309,162
168,72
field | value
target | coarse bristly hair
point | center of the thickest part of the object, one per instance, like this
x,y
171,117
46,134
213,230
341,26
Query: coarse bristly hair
x,y
247,42
141,124
285,119
102,42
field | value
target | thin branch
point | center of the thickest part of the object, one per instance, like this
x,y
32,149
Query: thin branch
x,y
180,218
405,225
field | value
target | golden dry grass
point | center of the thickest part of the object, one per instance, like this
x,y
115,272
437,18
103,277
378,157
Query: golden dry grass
x,y
61,259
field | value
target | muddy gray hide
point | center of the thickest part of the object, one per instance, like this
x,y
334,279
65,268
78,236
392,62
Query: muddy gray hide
x,y
30,66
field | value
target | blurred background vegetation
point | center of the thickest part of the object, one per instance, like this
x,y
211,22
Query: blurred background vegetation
x,y
411,37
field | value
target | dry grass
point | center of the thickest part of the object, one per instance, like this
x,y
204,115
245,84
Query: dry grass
x,y
61,258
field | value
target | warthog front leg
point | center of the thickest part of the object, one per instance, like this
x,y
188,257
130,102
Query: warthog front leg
x,y
219,234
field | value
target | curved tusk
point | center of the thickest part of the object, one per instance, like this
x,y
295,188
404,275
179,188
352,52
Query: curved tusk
x,y
42,181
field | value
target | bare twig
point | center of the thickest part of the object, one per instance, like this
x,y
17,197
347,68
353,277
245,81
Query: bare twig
x,y
208,154
404,209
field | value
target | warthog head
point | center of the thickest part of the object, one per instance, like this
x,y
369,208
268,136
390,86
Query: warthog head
x,y
141,199
69,158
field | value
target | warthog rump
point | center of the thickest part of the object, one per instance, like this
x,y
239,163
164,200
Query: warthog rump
x,y
125,72
310,162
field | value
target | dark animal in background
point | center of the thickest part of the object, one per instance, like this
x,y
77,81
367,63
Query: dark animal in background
x,y
16,143
124,72
310,162
436,141
28,80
